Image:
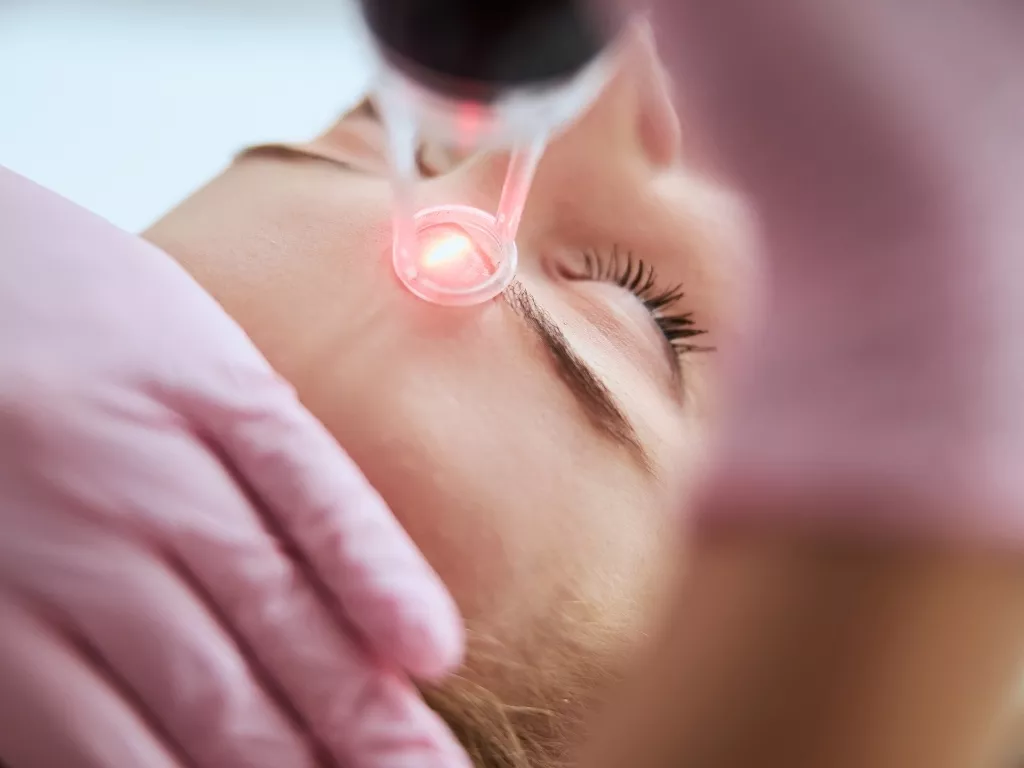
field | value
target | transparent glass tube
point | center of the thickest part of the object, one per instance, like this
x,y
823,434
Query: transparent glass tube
x,y
482,266
478,274
400,126
522,166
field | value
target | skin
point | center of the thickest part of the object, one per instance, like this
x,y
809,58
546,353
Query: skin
x,y
551,536
542,527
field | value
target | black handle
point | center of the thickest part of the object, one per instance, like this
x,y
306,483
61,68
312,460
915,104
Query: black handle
x,y
477,49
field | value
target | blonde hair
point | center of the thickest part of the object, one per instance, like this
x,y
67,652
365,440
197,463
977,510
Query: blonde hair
x,y
527,710
500,735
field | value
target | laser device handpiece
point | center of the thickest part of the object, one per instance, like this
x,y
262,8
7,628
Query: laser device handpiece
x,y
476,75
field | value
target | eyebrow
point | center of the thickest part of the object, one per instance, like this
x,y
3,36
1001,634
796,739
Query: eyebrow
x,y
587,388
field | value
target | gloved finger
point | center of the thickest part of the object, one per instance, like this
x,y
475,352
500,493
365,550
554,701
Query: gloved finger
x,y
170,651
56,709
180,496
381,581
365,712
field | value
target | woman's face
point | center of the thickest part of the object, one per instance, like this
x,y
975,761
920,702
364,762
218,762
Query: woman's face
x,y
532,446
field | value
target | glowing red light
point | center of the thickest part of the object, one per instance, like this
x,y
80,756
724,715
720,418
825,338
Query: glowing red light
x,y
446,251
449,256
467,123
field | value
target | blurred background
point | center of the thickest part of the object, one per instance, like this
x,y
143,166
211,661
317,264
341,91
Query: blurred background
x,y
125,106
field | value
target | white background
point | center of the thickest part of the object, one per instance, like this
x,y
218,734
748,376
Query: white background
x,y
125,106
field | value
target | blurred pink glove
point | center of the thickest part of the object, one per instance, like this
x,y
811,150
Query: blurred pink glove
x,y
882,145
192,573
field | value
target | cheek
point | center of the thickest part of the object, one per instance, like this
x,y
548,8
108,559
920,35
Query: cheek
x,y
516,505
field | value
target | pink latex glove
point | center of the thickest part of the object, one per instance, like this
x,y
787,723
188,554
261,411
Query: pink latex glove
x,y
192,573
882,146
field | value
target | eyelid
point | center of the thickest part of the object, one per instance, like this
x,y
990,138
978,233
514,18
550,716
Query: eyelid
x,y
638,339
669,353
637,279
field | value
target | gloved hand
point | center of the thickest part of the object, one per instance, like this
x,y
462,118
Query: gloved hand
x,y
192,573
882,145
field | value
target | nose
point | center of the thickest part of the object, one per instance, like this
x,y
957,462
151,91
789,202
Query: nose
x,y
657,122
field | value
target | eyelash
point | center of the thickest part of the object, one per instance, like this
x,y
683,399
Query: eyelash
x,y
639,278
